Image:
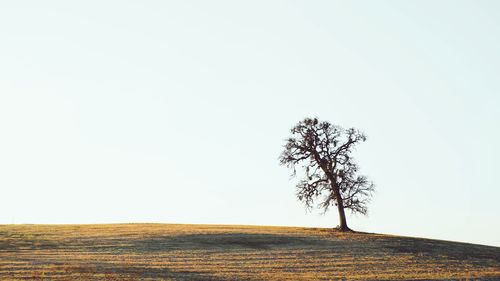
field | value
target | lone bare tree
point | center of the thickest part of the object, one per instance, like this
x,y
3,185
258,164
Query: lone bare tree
x,y
331,175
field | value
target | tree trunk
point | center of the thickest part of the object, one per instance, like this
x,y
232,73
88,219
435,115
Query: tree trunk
x,y
340,203
340,206
342,220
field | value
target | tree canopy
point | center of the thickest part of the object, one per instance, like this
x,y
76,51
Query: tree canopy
x,y
324,151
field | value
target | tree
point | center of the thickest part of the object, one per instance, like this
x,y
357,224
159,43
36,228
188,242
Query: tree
x,y
331,175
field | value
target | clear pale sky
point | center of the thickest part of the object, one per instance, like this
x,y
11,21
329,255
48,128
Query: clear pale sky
x,y
176,111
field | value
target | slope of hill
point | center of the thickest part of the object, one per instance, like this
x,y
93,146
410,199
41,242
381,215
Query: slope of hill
x,y
220,252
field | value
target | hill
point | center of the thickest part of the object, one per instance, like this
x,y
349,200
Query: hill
x,y
221,252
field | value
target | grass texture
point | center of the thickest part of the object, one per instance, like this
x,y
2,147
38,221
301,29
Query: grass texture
x,y
225,252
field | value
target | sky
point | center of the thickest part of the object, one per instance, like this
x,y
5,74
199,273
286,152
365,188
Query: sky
x,y
177,111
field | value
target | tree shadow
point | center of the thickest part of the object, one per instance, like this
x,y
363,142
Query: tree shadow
x,y
225,241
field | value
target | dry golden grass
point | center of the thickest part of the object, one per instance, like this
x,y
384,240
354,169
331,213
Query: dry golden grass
x,y
219,252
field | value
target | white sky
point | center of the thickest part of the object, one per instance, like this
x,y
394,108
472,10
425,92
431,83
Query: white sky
x,y
176,112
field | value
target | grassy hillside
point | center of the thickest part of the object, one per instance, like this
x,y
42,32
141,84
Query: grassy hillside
x,y
213,252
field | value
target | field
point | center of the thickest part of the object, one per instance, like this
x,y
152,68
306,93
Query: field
x,y
219,252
